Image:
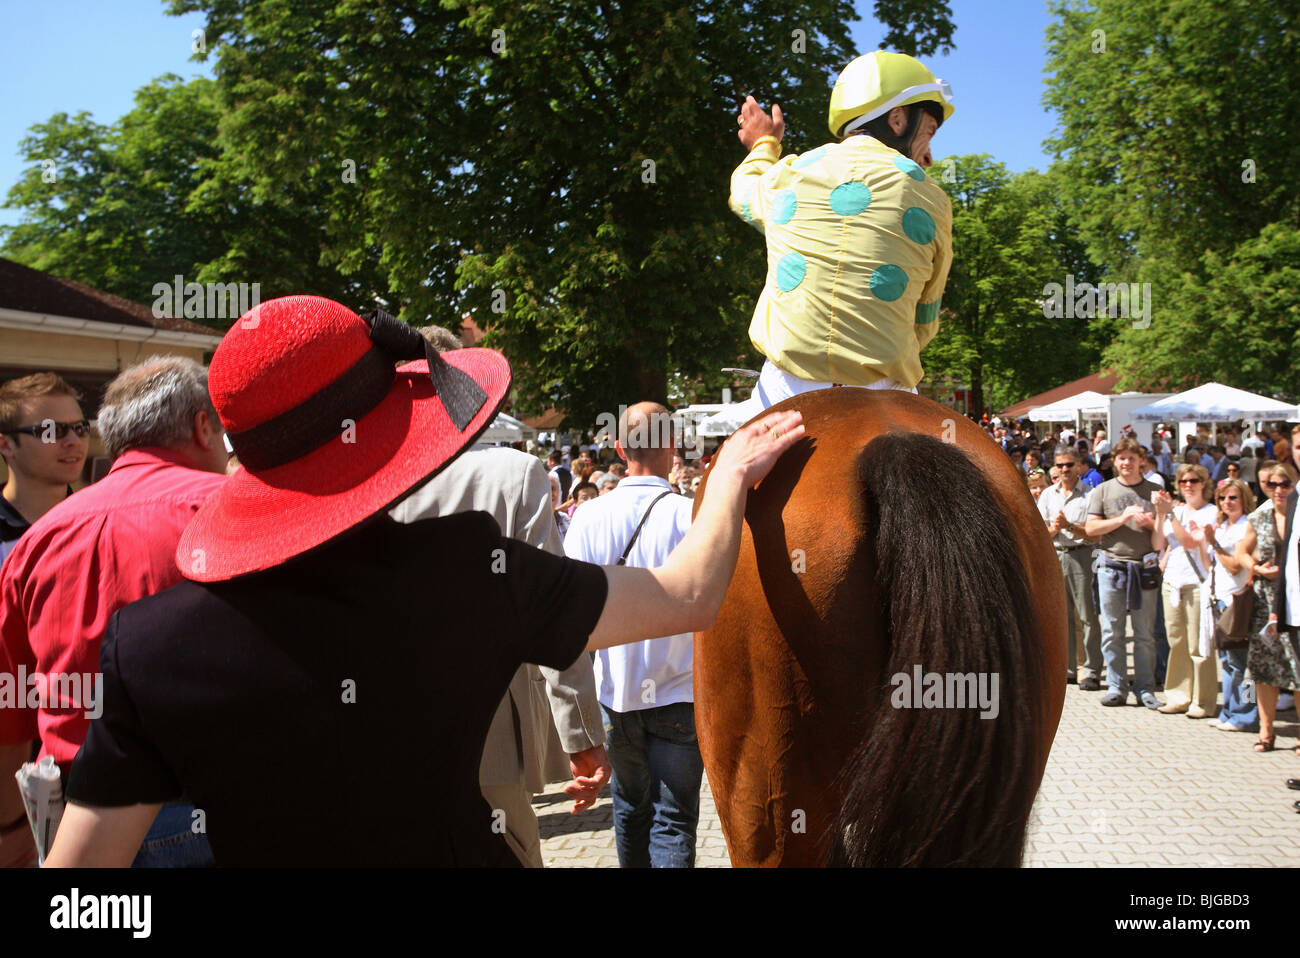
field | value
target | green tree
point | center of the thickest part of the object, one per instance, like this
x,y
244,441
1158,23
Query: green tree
x,y
1240,326
1176,166
153,195
107,205
557,167
1009,242
1175,124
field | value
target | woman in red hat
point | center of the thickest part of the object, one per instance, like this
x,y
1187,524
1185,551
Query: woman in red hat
x,y
294,689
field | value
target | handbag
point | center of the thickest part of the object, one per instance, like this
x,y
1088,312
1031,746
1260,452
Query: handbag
x,y
1232,626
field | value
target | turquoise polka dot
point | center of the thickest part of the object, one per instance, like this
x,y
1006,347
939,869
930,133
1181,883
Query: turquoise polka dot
x,y
744,207
888,282
918,225
851,198
790,271
783,206
809,158
927,312
910,167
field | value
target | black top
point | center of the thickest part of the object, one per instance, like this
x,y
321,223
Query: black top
x,y
12,525
332,711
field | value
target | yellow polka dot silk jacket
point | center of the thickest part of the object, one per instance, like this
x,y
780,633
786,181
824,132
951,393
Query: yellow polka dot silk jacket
x,y
859,243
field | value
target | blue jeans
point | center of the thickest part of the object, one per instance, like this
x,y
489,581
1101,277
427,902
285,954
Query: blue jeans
x,y
656,786
1238,709
1114,637
171,842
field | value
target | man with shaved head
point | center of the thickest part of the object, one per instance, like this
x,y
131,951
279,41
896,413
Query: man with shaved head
x,y
645,688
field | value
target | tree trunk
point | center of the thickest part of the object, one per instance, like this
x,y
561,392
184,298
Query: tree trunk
x,y
977,391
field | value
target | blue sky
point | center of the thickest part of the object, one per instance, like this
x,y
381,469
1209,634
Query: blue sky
x,y
73,55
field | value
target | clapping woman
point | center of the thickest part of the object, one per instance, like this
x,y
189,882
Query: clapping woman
x,y
1268,658
1232,542
1191,682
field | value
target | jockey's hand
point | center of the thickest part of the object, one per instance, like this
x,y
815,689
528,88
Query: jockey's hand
x,y
754,450
754,123
591,770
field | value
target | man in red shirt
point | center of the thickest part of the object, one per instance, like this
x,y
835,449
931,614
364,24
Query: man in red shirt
x,y
107,546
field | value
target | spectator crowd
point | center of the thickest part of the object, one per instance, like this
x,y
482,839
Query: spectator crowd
x,y
1190,561
1154,550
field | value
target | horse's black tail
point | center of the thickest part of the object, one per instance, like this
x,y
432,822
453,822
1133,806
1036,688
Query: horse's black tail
x,y
941,785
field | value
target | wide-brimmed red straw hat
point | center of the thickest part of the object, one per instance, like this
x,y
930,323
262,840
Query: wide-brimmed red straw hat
x,y
328,431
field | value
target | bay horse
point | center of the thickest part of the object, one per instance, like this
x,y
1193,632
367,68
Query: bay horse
x,y
895,540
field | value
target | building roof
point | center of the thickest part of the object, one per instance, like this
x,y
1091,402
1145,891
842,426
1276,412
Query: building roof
x,y
548,421
32,291
1103,382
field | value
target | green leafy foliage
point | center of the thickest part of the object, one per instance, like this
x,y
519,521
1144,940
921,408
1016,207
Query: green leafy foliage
x,y
1176,165
559,169
109,206
1009,240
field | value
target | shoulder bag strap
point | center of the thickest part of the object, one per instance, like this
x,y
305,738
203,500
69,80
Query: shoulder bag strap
x,y
622,560
1193,554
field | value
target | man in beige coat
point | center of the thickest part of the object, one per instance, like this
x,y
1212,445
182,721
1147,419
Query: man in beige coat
x,y
522,752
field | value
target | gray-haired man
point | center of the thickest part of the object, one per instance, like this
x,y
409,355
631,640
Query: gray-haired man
x,y
109,545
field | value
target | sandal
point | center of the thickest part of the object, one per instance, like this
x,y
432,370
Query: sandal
x,y
1265,744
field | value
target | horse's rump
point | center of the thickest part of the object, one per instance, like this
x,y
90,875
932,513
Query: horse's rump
x,y
897,541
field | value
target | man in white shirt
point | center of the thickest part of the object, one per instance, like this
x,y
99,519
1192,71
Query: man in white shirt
x,y
1101,445
1064,507
645,688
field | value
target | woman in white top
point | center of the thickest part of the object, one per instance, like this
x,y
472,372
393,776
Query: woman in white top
x,y
1191,680
1233,541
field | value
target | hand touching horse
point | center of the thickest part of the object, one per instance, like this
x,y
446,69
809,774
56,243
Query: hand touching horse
x,y
895,542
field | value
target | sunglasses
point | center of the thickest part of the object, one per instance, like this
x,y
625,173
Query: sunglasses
x,y
81,428
1227,498
1284,484
1193,481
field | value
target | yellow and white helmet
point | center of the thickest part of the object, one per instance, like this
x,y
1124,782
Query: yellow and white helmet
x,y
874,84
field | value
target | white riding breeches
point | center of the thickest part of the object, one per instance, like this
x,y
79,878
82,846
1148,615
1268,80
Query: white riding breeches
x,y
775,384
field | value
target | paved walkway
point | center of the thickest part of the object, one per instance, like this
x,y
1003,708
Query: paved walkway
x,y
1123,786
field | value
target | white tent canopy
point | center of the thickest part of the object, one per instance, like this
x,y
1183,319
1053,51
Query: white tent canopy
x,y
504,429
1087,403
1215,402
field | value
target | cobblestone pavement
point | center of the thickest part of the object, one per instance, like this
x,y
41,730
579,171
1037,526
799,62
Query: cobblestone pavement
x,y
1123,786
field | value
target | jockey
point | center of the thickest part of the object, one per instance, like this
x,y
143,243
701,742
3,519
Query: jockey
x,y
859,239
